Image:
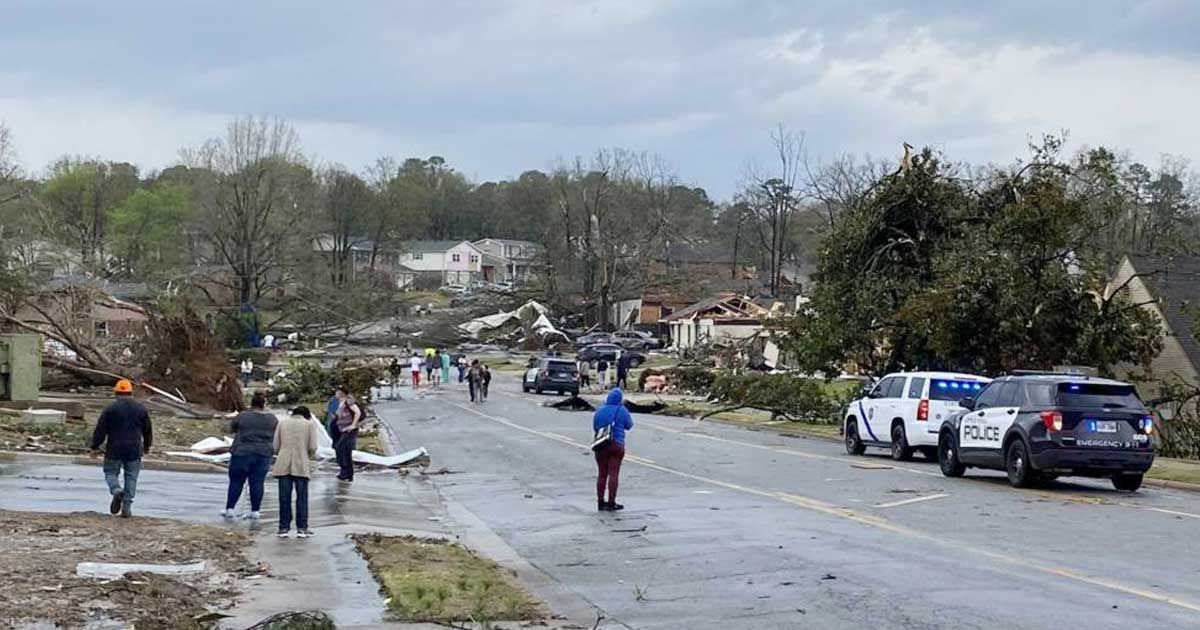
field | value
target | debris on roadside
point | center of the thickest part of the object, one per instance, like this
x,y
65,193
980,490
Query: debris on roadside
x,y
115,570
577,403
528,326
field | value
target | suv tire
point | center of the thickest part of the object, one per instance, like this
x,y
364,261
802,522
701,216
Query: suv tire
x,y
1017,464
854,444
901,451
948,456
1128,483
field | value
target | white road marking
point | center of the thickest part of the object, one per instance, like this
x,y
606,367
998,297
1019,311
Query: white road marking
x,y
928,497
1173,512
875,521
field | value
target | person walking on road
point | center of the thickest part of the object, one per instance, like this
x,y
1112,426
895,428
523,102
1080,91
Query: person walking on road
x,y
432,368
445,366
475,380
610,454
622,370
462,368
414,365
295,444
349,417
125,431
585,375
485,381
602,373
331,409
250,456
247,371
395,370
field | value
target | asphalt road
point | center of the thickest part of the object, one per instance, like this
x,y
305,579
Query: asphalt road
x,y
731,528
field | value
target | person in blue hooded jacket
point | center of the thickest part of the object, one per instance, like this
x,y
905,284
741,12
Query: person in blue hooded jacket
x,y
609,455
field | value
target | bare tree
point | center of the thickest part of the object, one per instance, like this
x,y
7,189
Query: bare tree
x,y
10,166
774,199
247,189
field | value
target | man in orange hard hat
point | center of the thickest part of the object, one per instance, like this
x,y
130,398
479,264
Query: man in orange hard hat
x,y
125,426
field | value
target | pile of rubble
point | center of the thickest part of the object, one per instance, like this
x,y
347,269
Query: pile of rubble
x,y
528,327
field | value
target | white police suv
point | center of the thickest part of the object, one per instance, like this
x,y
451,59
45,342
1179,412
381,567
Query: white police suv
x,y
903,412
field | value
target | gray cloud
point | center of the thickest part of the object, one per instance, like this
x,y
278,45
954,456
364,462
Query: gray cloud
x,y
502,87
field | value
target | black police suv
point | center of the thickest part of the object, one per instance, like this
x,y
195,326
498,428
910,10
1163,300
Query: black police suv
x,y
1037,427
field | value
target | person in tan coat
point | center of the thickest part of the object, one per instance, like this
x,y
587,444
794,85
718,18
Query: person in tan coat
x,y
295,446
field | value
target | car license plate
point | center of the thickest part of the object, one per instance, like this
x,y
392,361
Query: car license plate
x,y
1106,426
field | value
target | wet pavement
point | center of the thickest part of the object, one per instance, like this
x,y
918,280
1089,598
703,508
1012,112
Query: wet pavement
x,y
732,528
324,572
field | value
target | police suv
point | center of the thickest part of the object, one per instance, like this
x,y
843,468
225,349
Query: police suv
x,y
1037,426
903,412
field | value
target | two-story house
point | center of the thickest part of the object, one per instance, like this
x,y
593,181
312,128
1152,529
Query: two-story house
x,y
507,260
430,264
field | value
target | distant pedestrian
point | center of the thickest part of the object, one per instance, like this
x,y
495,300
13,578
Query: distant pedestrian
x,y
585,375
485,381
475,380
295,444
331,409
432,368
349,417
250,456
462,368
623,370
247,371
445,365
124,430
414,365
610,454
602,373
395,370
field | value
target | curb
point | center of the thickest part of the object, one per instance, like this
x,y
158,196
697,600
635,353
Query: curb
x,y
1171,485
83,460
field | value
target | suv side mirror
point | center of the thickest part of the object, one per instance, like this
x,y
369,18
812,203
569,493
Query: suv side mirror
x,y
968,403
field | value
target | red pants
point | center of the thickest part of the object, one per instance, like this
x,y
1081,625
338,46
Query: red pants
x,y
416,379
608,462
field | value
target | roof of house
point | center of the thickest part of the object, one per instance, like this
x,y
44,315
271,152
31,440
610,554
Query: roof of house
x,y
1175,283
431,247
510,241
723,306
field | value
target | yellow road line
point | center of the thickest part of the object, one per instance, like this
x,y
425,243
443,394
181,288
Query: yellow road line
x,y
869,520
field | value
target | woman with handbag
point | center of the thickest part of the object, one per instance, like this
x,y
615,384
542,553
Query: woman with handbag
x,y
610,423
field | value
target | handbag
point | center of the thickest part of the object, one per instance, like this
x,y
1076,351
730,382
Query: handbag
x,y
602,438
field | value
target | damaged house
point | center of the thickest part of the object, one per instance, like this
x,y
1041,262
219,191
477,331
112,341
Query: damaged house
x,y
91,311
725,318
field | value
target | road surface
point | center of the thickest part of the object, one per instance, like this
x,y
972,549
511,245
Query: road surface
x,y
732,528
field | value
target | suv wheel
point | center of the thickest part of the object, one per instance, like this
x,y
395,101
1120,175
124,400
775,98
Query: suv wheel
x,y
854,444
901,451
1016,462
947,452
1128,483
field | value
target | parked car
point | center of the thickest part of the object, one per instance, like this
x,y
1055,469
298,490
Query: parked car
x,y
636,340
594,338
550,374
1037,427
455,288
904,412
609,352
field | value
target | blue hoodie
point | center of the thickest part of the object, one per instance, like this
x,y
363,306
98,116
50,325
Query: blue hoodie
x,y
614,412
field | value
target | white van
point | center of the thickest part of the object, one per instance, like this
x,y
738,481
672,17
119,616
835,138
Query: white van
x,y
904,412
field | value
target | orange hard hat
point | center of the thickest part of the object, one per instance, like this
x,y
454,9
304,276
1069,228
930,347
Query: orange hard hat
x,y
123,386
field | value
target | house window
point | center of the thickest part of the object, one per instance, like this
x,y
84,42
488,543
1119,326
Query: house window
x,y
101,329
418,255
454,257
474,258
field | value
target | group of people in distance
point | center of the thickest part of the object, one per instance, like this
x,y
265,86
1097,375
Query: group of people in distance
x,y
620,373
436,366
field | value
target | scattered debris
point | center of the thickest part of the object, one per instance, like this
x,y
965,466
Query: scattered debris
x,y
114,570
307,619
528,326
572,403
829,576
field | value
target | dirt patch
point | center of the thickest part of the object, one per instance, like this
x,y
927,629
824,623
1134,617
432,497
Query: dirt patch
x,y
42,550
73,437
429,580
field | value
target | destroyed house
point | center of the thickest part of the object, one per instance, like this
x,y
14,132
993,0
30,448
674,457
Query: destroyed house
x,y
85,309
723,316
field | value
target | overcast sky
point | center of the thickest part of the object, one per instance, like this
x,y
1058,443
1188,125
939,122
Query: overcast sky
x,y
502,87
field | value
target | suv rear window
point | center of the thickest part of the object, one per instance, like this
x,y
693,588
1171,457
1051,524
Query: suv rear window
x,y
947,389
560,366
1097,395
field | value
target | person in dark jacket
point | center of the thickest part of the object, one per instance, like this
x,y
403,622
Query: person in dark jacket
x,y
485,381
124,429
250,456
623,371
610,455
349,416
